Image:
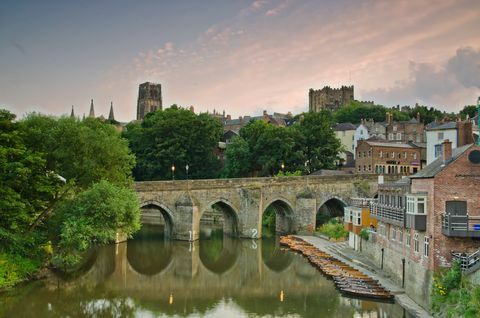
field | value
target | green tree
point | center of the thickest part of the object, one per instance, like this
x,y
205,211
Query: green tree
x,y
83,152
355,111
427,115
238,159
178,137
317,141
26,186
468,110
94,216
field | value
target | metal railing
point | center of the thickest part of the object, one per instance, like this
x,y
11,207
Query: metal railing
x,y
460,225
388,213
362,202
468,263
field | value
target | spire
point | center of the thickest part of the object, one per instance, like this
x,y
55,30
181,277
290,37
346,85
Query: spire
x,y
110,115
92,112
72,114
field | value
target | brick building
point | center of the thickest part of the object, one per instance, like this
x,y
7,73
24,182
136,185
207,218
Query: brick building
x,y
383,157
329,98
427,220
404,131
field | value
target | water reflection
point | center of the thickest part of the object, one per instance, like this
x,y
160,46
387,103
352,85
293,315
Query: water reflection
x,y
215,277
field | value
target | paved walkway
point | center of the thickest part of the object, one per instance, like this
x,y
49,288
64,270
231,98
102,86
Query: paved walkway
x,y
360,262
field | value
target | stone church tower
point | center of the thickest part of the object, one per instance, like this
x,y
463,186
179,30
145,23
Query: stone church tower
x,y
149,99
329,98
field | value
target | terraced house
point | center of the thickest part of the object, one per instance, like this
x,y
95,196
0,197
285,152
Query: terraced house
x,y
428,220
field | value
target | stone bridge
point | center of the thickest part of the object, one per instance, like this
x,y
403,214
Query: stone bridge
x,y
296,201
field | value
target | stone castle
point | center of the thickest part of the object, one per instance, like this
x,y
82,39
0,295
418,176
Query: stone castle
x,y
329,98
149,99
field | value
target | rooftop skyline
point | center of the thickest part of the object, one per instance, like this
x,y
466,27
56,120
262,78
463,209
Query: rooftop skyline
x,y
241,57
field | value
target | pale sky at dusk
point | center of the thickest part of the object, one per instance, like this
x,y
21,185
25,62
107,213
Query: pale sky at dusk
x,y
241,56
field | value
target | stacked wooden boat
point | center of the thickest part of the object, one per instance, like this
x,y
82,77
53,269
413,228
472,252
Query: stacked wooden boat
x,y
347,279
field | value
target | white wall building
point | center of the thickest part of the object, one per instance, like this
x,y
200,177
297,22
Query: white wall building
x,y
361,133
436,134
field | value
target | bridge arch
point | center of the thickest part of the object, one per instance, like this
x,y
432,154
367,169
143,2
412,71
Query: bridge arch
x,y
329,207
284,214
165,212
219,256
229,213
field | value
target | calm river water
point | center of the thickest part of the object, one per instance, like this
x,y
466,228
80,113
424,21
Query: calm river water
x,y
214,277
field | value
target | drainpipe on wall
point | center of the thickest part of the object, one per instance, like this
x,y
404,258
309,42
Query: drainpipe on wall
x,y
382,257
403,272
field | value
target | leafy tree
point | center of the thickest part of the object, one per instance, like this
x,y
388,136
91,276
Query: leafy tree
x,y
238,163
317,141
26,186
175,136
355,111
94,216
427,115
83,152
468,110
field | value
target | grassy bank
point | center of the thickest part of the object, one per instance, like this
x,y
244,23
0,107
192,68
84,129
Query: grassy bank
x,y
15,269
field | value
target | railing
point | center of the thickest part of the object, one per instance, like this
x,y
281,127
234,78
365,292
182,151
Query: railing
x,y
468,263
362,202
388,214
460,225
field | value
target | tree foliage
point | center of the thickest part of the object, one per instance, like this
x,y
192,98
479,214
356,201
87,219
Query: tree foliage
x,y
469,111
262,148
178,137
95,216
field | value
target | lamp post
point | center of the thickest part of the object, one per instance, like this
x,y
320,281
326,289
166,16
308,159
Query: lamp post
x,y
173,172
283,166
186,169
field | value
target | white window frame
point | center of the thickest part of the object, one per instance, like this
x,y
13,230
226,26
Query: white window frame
x,y
413,203
408,240
426,246
416,247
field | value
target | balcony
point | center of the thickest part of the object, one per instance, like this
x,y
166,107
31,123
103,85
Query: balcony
x,y
416,221
362,202
468,262
388,214
460,225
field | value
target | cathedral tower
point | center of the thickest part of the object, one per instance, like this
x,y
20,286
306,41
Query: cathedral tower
x,y
149,99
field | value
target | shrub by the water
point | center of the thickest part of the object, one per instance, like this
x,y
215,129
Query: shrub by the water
x,y
333,230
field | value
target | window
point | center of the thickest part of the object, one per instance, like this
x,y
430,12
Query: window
x,y
399,136
415,156
394,128
440,136
416,204
394,234
380,154
393,154
390,136
404,155
407,241
438,150
415,243
426,246
361,132
400,236
369,167
369,153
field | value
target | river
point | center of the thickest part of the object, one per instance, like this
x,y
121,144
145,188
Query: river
x,y
217,276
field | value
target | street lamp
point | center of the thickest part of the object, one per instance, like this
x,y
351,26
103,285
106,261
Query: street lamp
x,y
186,168
173,172
283,166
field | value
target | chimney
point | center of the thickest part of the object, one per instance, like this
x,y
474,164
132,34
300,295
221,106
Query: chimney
x,y
241,119
446,150
389,118
464,133
229,117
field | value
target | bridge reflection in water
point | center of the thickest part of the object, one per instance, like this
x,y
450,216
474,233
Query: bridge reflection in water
x,y
220,275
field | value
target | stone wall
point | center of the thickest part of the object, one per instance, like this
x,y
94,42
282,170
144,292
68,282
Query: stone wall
x,y
296,200
418,280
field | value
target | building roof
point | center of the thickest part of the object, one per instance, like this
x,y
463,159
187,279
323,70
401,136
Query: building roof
x,y
345,126
435,167
442,126
388,144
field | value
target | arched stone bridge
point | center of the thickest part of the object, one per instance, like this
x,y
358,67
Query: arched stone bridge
x,y
296,201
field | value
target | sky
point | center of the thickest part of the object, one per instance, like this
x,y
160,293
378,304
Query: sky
x,y
239,56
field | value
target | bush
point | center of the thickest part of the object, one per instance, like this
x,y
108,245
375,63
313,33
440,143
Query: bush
x,y
333,229
453,295
15,268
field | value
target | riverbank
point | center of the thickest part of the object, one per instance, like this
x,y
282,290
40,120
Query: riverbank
x,y
15,269
358,261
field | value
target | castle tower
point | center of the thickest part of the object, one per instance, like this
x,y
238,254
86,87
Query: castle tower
x,y
149,99
92,112
110,115
329,98
72,114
